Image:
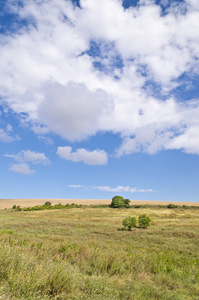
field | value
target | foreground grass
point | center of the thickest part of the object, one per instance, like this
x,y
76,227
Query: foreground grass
x,y
84,253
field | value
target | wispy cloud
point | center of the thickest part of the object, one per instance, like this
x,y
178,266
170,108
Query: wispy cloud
x,y
24,157
30,156
6,135
46,140
76,186
117,189
21,168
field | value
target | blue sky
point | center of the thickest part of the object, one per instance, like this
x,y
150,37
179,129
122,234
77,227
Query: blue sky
x,y
99,98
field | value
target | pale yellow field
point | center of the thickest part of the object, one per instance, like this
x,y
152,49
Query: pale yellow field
x,y
8,203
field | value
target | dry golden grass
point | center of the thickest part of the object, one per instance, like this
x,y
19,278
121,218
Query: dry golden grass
x,y
8,203
85,254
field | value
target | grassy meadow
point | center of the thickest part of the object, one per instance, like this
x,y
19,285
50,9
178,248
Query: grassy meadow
x,y
84,253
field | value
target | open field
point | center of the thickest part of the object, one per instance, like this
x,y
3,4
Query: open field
x,y
84,253
8,203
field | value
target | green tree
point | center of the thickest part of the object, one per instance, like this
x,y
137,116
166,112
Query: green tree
x,y
127,202
117,201
129,222
144,221
47,203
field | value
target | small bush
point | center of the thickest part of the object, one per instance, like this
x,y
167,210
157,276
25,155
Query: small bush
x,y
14,207
171,206
144,221
47,203
185,207
129,222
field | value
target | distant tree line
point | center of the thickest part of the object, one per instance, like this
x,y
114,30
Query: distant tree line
x,y
46,206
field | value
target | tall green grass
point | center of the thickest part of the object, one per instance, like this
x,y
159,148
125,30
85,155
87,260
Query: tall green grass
x,y
84,253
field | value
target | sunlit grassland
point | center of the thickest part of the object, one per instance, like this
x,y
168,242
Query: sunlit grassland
x,y
84,253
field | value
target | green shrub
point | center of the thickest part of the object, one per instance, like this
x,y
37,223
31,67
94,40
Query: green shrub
x,y
14,207
171,206
48,206
144,221
129,222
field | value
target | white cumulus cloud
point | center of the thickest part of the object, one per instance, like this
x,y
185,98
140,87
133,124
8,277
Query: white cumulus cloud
x,y
73,111
188,141
76,71
96,157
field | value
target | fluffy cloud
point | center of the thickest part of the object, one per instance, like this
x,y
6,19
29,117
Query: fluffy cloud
x,y
27,156
21,168
188,141
73,111
76,71
177,130
96,157
166,45
117,189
